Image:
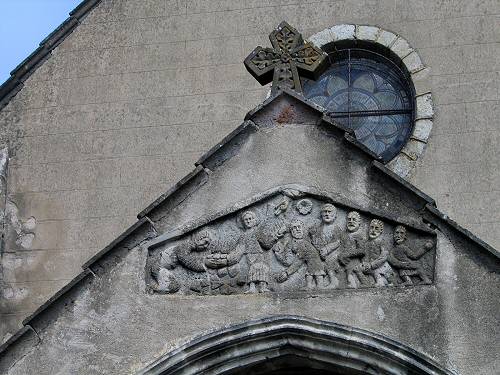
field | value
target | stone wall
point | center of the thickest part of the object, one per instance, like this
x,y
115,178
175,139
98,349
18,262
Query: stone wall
x,y
453,320
130,99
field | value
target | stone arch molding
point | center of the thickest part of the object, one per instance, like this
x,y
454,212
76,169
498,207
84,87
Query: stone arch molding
x,y
403,163
309,342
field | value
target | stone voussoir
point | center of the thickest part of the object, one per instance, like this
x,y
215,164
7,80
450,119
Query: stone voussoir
x,y
404,162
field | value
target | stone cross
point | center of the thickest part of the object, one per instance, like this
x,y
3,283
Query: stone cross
x,y
282,63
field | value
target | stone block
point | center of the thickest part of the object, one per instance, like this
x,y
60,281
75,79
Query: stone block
x,y
370,33
33,266
422,81
481,116
424,107
452,113
65,176
466,30
413,62
401,47
481,57
78,235
457,174
343,32
94,146
121,10
422,129
207,52
413,149
386,38
401,165
322,38
150,170
444,60
83,204
467,87
40,94
422,9
25,297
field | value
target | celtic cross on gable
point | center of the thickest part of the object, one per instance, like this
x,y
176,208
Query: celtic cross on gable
x,y
282,63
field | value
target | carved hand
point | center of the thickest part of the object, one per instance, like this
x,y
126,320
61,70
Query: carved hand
x,y
283,276
429,245
363,267
216,261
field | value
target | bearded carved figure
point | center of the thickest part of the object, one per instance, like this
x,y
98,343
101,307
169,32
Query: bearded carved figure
x,y
407,260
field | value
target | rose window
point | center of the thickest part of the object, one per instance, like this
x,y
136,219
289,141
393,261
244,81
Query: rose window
x,y
368,93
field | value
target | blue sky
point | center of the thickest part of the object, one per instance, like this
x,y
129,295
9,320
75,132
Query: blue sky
x,y
24,24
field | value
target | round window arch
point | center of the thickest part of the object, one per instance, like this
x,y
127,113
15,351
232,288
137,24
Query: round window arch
x,y
367,88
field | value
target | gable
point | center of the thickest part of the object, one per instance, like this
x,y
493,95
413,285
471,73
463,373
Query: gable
x,y
285,148
119,296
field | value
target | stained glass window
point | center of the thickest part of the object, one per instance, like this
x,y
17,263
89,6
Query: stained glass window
x,y
369,94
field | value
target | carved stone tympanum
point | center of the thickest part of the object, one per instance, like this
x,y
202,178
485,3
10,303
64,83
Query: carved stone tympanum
x,y
290,241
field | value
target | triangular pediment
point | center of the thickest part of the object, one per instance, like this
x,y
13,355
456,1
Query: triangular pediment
x,y
251,219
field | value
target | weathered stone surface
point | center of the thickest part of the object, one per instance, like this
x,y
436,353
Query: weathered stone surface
x,y
386,38
102,77
289,240
424,106
422,129
413,62
402,165
401,47
367,32
343,32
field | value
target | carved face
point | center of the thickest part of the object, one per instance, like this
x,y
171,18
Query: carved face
x,y
376,228
297,229
328,213
202,240
249,219
353,221
399,234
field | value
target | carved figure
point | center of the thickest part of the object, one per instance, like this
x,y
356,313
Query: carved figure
x,y
258,273
274,227
191,255
375,262
353,251
280,245
326,237
223,267
304,206
249,246
165,281
407,260
306,254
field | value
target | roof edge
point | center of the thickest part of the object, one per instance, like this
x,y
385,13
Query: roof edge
x,y
15,337
122,237
465,232
401,181
61,292
21,72
197,172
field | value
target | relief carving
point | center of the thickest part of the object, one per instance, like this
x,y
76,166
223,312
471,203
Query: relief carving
x,y
288,59
289,242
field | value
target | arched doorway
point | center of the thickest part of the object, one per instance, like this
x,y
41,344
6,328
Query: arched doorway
x,y
293,345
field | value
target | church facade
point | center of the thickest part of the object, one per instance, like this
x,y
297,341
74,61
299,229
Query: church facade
x,y
310,237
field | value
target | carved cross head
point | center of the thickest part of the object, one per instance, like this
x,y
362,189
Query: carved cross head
x,y
288,57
